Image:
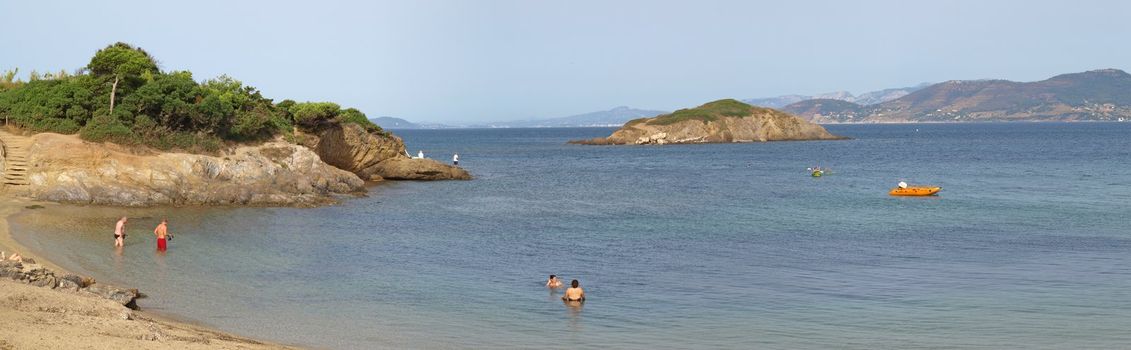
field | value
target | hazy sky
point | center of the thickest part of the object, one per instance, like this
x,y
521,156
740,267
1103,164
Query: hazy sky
x,y
470,61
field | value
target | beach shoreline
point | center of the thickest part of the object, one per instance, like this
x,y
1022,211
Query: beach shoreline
x,y
36,317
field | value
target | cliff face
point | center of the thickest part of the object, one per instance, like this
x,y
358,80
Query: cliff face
x,y
375,156
66,169
721,121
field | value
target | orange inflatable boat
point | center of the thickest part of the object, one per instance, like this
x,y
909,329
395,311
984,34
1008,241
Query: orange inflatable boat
x,y
915,191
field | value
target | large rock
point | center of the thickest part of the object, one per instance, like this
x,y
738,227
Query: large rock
x,y
404,168
375,155
11,270
66,169
125,297
722,121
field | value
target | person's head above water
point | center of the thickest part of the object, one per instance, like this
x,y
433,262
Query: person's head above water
x,y
574,283
553,276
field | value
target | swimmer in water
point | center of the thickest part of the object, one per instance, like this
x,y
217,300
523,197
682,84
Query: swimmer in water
x,y
553,282
574,293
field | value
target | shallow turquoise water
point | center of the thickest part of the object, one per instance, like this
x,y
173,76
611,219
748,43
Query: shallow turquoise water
x,y
700,246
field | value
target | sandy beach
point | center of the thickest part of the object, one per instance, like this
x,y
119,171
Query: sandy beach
x,y
41,318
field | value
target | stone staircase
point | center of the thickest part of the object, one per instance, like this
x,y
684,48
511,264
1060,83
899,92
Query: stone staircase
x,y
15,159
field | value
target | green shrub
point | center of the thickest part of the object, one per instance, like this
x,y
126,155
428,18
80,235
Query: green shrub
x,y
708,112
105,128
312,114
352,115
165,110
55,125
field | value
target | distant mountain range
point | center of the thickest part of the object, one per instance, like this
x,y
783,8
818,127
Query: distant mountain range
x,y
613,117
866,98
394,123
1096,95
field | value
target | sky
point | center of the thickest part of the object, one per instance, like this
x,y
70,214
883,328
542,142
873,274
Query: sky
x,y
463,61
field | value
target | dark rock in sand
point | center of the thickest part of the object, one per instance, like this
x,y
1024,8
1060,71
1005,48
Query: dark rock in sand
x,y
47,281
122,296
68,285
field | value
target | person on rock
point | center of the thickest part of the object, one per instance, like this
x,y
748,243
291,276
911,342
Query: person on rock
x,y
455,159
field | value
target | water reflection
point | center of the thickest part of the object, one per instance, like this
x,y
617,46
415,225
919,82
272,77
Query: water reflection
x,y
573,310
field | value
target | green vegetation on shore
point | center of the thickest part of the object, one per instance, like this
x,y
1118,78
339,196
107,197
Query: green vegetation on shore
x,y
710,111
122,96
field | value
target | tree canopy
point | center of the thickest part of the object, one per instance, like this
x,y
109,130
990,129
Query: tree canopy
x,y
165,110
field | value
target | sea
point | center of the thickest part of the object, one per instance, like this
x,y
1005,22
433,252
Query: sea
x,y
714,246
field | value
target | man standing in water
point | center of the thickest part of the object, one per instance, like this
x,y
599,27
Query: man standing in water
x,y
120,232
161,231
574,293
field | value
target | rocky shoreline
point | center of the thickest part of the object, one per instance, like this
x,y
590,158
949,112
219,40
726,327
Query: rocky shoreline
x,y
325,166
30,273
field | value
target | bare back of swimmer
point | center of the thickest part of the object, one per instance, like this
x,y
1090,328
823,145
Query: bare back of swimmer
x,y
574,293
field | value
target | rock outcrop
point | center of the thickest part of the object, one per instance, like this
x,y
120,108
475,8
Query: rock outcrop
x,y
39,276
722,121
404,168
375,156
66,169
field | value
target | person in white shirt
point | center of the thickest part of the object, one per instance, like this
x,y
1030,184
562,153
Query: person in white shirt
x,y
455,159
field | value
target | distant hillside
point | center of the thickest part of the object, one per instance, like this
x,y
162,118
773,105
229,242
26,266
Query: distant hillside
x,y
1094,95
826,110
866,98
394,123
613,117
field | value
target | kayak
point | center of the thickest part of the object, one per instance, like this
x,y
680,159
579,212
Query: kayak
x,y
915,191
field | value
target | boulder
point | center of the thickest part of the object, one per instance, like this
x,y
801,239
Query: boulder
x,y
125,297
67,285
48,281
11,273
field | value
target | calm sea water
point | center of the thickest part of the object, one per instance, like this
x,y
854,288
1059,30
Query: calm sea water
x,y
701,246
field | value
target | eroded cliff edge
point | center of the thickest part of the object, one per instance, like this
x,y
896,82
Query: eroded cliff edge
x,y
375,156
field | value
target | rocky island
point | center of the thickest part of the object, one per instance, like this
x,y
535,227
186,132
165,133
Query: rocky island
x,y
722,121
123,132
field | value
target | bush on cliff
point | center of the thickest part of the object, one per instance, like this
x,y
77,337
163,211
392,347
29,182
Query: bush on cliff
x,y
710,111
122,96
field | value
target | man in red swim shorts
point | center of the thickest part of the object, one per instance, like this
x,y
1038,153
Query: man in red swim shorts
x,y
161,232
